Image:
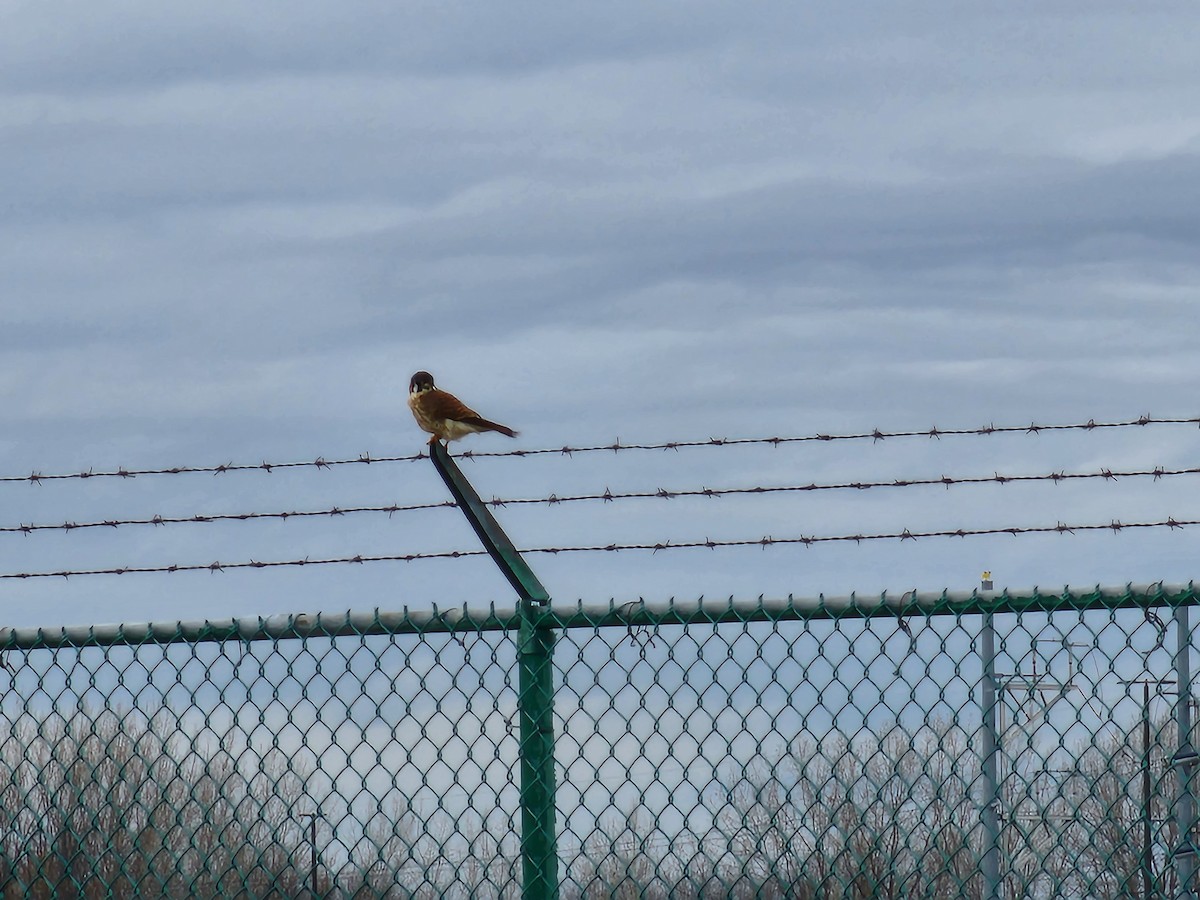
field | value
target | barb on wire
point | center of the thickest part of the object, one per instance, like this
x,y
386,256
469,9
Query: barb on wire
x,y
875,436
609,496
1114,526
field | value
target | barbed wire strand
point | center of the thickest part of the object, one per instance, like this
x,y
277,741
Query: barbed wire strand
x,y
874,436
202,518
609,496
766,541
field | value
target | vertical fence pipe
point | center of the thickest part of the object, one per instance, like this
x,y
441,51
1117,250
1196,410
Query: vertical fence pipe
x,y
990,863
535,686
1185,756
535,704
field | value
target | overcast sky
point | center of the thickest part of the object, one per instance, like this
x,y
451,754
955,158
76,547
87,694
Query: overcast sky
x,y
231,232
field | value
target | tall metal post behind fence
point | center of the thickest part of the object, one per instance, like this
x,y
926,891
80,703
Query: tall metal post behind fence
x,y
990,864
1185,757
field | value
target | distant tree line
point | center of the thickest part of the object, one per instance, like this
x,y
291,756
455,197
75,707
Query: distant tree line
x,y
109,805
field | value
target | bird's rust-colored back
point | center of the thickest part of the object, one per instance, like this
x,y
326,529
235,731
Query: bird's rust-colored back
x,y
441,404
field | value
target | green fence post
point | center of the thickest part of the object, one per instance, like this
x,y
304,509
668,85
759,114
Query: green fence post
x,y
536,708
535,686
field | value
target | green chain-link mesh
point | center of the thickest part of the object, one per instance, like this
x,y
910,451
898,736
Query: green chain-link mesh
x,y
725,750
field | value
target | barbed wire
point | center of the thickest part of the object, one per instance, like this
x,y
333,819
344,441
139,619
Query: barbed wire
x,y
609,496
1114,526
319,463
875,435
202,518
947,481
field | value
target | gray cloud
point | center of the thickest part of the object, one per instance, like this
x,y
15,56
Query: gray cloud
x,y
233,231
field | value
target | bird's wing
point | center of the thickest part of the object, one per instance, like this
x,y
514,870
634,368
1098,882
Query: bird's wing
x,y
442,405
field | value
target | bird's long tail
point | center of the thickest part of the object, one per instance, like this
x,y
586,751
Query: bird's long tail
x,y
491,426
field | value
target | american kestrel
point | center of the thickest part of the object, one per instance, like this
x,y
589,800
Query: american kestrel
x,y
443,415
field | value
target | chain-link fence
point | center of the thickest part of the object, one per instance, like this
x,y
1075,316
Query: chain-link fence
x,y
826,748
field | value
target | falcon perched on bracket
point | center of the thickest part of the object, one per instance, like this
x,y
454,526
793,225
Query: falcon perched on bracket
x,y
443,415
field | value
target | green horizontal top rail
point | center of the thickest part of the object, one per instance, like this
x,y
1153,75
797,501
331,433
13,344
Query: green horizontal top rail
x,y
465,618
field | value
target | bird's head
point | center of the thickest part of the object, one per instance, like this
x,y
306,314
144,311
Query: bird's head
x,y
422,381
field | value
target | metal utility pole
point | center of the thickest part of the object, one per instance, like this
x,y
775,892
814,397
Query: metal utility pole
x,y
1147,783
535,685
1147,831
312,841
990,813
992,709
